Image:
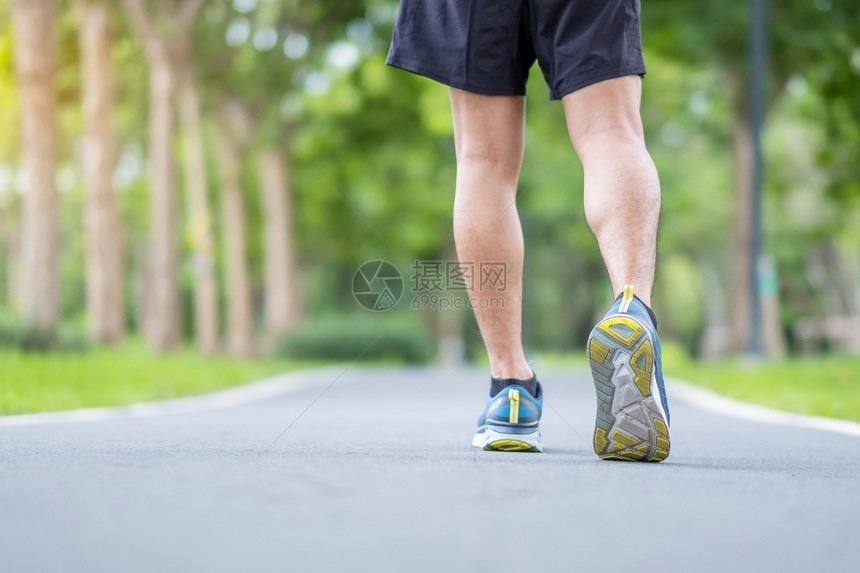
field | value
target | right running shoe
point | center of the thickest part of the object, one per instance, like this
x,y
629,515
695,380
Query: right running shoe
x,y
509,423
632,412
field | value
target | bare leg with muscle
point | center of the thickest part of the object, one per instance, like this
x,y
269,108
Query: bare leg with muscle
x,y
489,138
622,190
622,205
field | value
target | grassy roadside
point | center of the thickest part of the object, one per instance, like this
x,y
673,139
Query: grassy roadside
x,y
34,382
37,382
821,386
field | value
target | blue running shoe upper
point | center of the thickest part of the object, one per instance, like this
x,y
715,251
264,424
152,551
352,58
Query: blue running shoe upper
x,y
513,411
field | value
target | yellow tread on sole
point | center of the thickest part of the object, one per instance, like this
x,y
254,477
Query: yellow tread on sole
x,y
508,446
622,329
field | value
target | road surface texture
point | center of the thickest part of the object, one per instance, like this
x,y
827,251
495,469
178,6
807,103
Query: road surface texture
x,y
378,475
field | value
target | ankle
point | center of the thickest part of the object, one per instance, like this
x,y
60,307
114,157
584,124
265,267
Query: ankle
x,y
522,373
499,384
504,369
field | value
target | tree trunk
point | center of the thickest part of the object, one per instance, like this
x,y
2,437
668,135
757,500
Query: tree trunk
x,y
852,263
104,251
163,316
199,220
160,47
841,288
239,307
740,305
35,55
714,341
772,336
740,291
281,288
12,256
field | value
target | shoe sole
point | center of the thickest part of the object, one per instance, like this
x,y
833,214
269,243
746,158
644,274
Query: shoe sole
x,y
493,441
630,424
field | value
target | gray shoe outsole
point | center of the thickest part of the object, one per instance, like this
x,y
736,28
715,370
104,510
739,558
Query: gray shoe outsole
x,y
630,423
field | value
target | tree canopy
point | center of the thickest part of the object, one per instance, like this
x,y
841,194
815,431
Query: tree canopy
x,y
367,161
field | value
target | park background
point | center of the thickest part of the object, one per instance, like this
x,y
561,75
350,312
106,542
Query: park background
x,y
188,187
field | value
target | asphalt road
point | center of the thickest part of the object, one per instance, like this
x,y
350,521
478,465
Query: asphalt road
x,y
378,475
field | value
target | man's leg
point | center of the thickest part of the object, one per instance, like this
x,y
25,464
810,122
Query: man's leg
x,y
622,205
489,138
622,191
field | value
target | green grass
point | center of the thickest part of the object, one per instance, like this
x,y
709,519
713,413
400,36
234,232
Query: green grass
x,y
39,382
821,386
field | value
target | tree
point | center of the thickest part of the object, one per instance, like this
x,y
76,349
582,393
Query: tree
x,y
36,53
281,295
159,39
104,291
10,249
259,79
199,212
232,127
714,33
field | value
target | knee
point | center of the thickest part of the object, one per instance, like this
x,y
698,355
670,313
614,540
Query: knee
x,y
610,137
617,139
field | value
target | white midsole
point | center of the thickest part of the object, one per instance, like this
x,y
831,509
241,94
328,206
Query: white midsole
x,y
489,436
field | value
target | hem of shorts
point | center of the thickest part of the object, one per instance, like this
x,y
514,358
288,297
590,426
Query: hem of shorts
x,y
591,80
448,81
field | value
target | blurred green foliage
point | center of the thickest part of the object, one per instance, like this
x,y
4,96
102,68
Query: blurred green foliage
x,y
349,338
372,161
15,334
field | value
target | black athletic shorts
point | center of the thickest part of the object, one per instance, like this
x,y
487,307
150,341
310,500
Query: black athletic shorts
x,y
488,46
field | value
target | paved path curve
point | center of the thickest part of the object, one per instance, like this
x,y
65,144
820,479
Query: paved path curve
x,y
377,475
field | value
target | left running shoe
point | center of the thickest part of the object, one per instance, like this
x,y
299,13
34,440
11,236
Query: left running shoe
x,y
509,423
